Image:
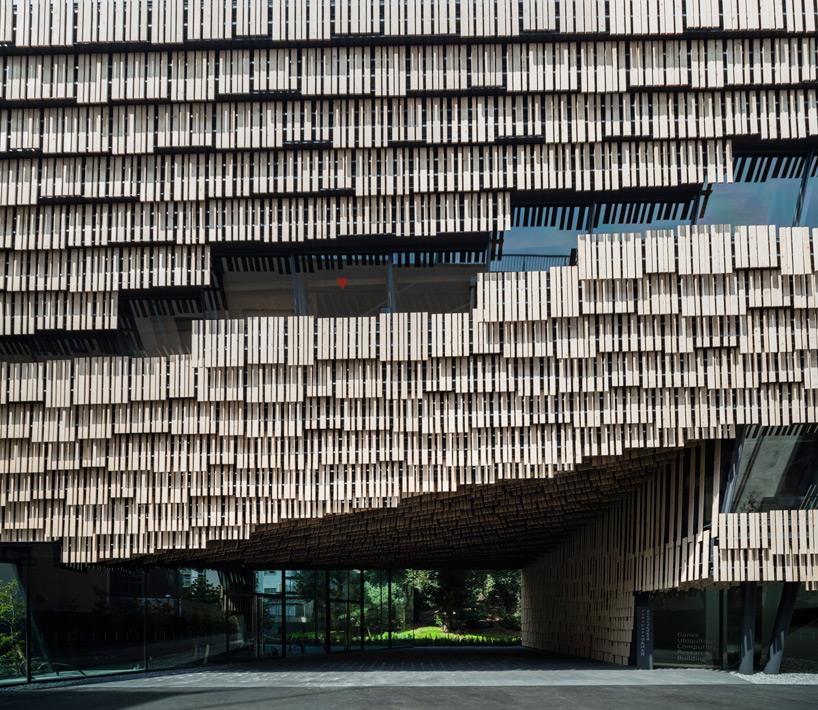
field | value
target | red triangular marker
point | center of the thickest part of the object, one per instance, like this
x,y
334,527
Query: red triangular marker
x,y
343,283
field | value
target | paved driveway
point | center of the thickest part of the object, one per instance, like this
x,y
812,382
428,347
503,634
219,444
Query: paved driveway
x,y
474,679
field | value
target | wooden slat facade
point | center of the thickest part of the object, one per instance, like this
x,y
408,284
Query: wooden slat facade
x,y
669,535
137,136
649,342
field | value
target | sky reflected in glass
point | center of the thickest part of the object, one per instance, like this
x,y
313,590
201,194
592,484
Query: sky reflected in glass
x,y
746,203
540,240
809,212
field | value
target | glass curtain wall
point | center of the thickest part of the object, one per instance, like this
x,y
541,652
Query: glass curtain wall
x,y
801,649
801,646
12,625
306,615
542,231
332,611
703,628
256,286
93,621
185,621
269,614
83,621
341,289
376,609
778,470
239,603
433,285
402,608
87,622
767,189
686,627
344,610
809,208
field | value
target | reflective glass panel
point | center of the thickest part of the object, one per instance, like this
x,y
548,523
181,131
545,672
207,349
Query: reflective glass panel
x,y
12,626
376,609
340,626
85,622
764,191
540,240
809,211
686,627
354,589
242,632
343,290
305,612
778,470
801,650
244,618
546,229
270,636
616,217
731,631
268,620
801,646
257,286
345,610
339,584
441,288
153,327
403,608
186,624
751,203
268,581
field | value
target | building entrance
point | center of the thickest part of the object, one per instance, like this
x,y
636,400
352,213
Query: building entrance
x,y
342,637
346,600
270,637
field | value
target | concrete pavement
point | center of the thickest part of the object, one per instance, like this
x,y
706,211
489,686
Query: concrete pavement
x,y
475,679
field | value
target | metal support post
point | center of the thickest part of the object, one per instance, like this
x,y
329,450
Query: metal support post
x,y
363,600
145,619
748,627
389,605
284,613
27,578
327,611
783,618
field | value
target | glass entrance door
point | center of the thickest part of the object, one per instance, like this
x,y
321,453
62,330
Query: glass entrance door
x,y
340,626
270,636
345,591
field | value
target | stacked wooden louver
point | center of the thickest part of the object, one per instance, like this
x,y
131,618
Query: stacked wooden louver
x,y
135,136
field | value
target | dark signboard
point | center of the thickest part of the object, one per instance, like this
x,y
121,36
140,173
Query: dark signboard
x,y
644,637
